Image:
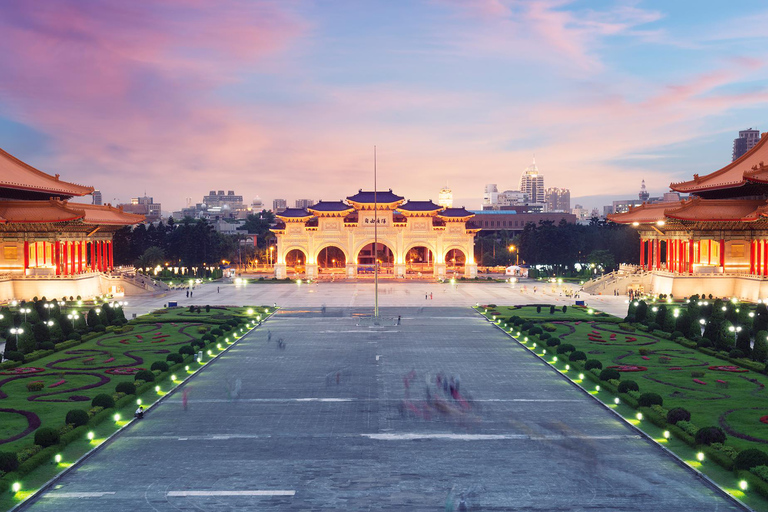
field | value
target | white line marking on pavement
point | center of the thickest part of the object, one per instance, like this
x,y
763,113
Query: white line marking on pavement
x,y
281,400
76,494
231,493
487,437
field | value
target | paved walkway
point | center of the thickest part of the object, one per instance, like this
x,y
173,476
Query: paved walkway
x,y
327,423
391,294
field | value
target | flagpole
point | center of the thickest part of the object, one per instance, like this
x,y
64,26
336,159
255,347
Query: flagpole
x,y
375,242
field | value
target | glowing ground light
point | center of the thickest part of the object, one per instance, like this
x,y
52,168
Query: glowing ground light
x,y
210,353
173,377
157,388
250,311
616,401
597,388
117,418
138,401
91,435
16,487
590,311
525,339
581,376
57,458
186,368
639,416
666,434
218,345
700,456
743,485
567,367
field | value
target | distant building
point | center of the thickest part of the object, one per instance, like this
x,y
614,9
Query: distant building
x,y
506,220
304,203
445,197
490,196
97,197
643,195
257,204
532,183
279,205
143,206
746,141
220,199
558,199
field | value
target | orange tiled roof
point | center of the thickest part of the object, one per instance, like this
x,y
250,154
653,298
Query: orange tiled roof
x,y
643,214
28,212
732,175
106,214
16,174
718,210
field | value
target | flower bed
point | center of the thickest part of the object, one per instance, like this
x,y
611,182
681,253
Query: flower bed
x,y
699,381
734,369
23,370
764,419
126,370
56,384
629,368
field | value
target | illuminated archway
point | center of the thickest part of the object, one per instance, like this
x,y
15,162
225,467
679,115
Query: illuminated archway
x,y
331,259
366,257
420,259
455,260
296,259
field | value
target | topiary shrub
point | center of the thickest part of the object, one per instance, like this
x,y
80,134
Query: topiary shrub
x,y
8,462
750,458
186,350
526,326
14,355
593,364
129,388
553,342
626,386
565,308
47,345
535,330
46,437
77,417
709,435
145,375
678,414
578,355
217,332
174,358
544,336
565,348
538,309
35,385
159,365
610,374
103,400
653,326
649,399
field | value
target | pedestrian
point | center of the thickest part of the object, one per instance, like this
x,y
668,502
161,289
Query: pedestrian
x,y
191,293
238,385
430,295
398,319
426,296
139,413
217,289
269,336
187,293
184,398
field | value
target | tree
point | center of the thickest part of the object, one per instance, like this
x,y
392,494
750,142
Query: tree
x,y
151,257
743,342
760,351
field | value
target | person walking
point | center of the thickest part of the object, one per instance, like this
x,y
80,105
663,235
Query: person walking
x,y
187,293
217,289
398,319
184,398
269,336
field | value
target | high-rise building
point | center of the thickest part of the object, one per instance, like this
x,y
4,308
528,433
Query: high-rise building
x,y
304,203
445,197
746,141
220,199
143,206
279,205
644,194
532,183
490,196
97,197
558,199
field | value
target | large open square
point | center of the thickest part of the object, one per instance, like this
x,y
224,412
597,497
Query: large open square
x,y
336,420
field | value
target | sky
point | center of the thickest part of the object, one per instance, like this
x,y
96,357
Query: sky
x,y
174,98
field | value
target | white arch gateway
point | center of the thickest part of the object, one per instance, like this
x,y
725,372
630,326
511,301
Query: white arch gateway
x,y
413,237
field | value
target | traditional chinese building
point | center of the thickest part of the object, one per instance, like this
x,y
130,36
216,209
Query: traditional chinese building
x,y
414,238
714,242
50,246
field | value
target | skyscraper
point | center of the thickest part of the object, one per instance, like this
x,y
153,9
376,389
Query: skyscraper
x,y
532,183
445,197
304,203
558,200
279,205
644,194
746,141
96,197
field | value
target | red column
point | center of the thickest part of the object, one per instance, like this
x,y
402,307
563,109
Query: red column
x,y
98,255
722,254
55,257
81,246
658,253
72,253
751,256
111,256
104,255
93,256
26,256
44,255
765,257
690,256
642,254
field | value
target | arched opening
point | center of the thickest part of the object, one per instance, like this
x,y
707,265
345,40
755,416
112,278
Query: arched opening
x,y
331,260
296,260
420,260
455,260
368,256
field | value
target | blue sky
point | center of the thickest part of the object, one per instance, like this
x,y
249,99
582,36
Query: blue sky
x,y
288,98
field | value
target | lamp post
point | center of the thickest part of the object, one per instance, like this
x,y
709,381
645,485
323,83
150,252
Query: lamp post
x,y
73,317
512,248
271,248
17,331
25,311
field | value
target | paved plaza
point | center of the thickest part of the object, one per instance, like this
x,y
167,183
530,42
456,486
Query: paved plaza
x,y
337,420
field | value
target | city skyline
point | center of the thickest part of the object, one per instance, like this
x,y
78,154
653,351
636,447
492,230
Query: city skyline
x,y
288,99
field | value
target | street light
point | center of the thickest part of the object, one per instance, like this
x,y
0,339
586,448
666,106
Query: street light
x,y
512,248
17,331
25,311
73,317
